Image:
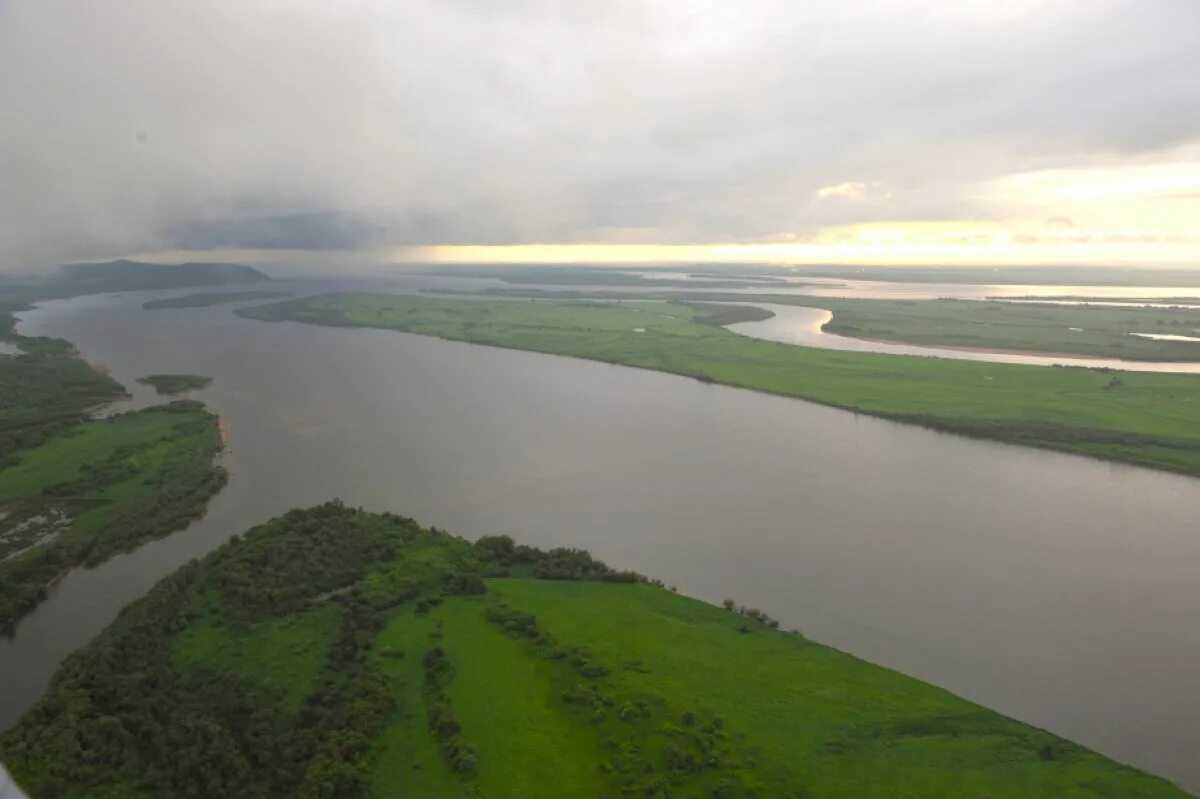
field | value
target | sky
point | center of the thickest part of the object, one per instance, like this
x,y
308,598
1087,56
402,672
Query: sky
x,y
775,131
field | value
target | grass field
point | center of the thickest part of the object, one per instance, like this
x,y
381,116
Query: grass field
x,y
1094,330
100,488
337,653
1143,418
1087,331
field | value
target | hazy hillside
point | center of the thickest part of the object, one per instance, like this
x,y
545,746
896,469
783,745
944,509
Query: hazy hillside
x,y
124,275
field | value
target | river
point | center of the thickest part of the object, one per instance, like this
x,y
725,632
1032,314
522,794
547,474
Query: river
x,y
1059,590
794,324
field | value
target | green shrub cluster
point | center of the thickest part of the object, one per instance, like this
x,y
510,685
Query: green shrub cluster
x,y
44,390
561,563
753,614
175,384
340,721
443,724
124,711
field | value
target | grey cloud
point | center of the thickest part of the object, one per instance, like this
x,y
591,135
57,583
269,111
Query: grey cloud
x,y
137,124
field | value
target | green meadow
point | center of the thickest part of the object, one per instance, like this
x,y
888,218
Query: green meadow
x,y
337,653
98,488
45,388
1085,330
1143,418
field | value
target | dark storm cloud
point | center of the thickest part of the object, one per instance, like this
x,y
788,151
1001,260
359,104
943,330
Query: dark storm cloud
x,y
129,126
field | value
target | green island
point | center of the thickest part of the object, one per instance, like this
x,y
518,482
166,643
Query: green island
x,y
175,384
99,488
338,653
1143,418
205,299
45,388
1097,331
75,490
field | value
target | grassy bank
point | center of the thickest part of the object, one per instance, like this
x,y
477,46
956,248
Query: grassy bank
x,y
336,653
1142,418
1093,331
101,487
45,388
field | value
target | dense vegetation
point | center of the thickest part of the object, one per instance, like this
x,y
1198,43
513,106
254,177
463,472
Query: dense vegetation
x,y
336,653
99,488
74,491
1143,418
44,389
211,298
175,384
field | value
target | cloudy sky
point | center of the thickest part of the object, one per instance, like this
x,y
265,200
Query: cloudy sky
x,y
881,131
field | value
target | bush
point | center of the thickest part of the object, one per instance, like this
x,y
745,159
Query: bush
x,y
465,584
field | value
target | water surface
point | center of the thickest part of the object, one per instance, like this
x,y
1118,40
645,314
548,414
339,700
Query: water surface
x,y
794,324
1059,590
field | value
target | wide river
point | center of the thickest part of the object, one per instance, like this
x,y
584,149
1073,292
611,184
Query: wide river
x,y
1059,590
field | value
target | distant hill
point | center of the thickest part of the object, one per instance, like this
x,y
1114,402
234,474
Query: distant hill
x,y
125,275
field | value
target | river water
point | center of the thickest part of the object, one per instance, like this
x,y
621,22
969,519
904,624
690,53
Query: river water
x,y
793,324
1059,590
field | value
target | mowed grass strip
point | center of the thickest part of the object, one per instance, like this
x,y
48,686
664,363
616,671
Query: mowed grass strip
x,y
509,702
409,763
845,727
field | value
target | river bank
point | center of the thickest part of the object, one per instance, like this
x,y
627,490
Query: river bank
x,y
952,559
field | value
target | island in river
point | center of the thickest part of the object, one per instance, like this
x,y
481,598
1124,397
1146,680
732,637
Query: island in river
x,y
175,384
75,490
99,488
337,653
